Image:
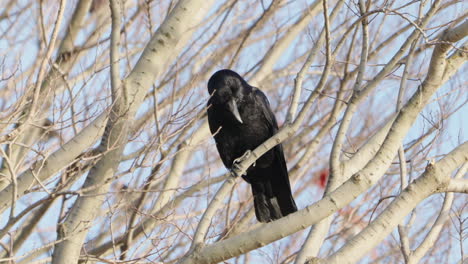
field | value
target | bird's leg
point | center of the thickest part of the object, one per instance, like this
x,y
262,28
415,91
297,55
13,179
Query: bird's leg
x,y
235,163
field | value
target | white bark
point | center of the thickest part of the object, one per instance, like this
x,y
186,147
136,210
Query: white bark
x,y
24,141
318,232
156,193
430,239
28,134
407,115
157,53
57,161
458,185
348,191
79,219
277,51
435,177
150,223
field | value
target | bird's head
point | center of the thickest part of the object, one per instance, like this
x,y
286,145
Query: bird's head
x,y
228,89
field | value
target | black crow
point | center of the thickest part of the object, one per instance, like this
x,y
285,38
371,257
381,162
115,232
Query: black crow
x,y
241,119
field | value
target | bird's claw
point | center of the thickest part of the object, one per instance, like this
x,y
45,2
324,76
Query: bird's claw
x,y
245,156
235,164
235,170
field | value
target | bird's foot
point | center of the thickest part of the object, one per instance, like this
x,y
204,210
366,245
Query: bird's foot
x,y
236,169
235,164
245,156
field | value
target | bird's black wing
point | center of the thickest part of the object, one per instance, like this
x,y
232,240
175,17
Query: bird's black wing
x,y
262,101
270,119
278,179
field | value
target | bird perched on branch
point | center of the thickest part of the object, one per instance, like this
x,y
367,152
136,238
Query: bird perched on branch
x,y
241,119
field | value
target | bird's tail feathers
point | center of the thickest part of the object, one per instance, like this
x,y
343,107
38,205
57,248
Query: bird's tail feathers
x,y
268,204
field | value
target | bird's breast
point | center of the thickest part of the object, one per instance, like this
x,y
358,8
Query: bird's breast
x,y
249,134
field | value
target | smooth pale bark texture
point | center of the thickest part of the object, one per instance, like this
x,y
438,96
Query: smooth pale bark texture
x,y
152,181
160,50
407,115
74,228
292,223
172,180
310,58
444,216
277,51
55,162
283,227
151,222
350,189
458,185
31,133
316,236
41,171
436,177
342,170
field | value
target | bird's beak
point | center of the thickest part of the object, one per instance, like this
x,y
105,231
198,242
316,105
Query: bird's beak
x,y
232,105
